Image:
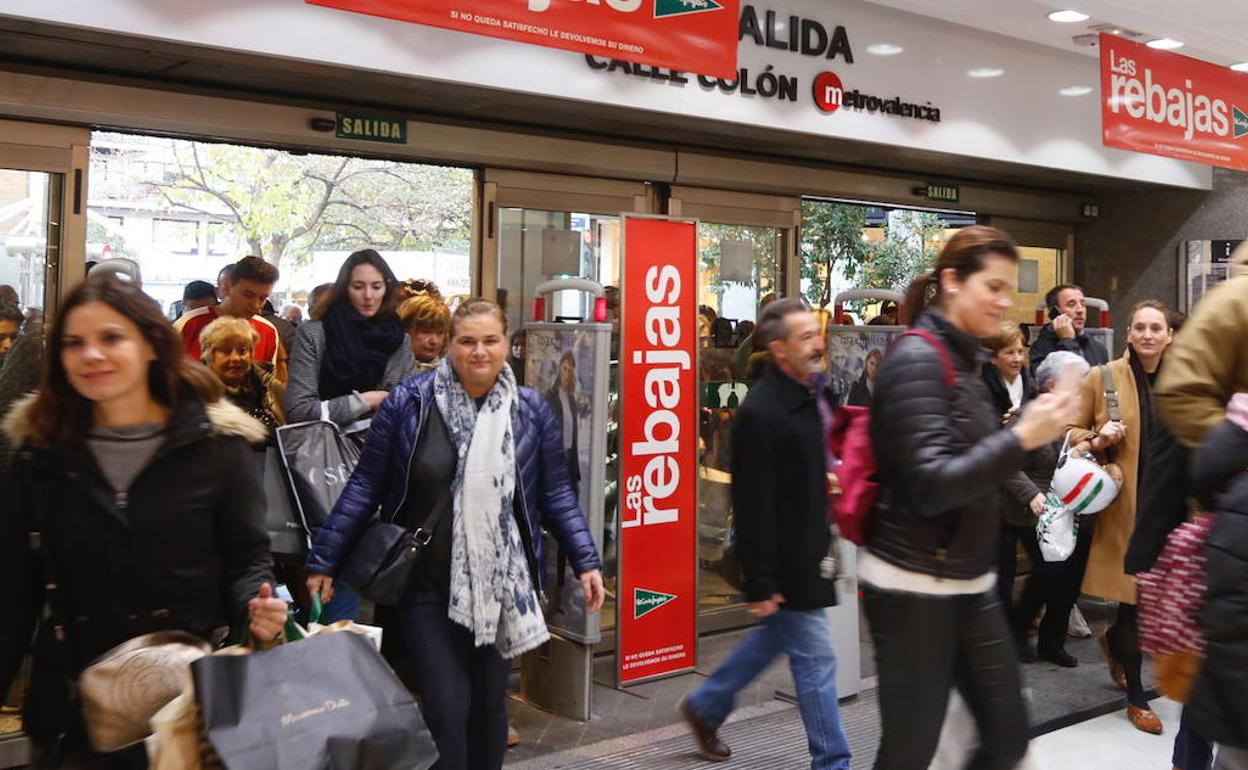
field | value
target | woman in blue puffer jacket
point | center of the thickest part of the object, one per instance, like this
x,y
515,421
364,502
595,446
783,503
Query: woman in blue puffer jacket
x,y
465,447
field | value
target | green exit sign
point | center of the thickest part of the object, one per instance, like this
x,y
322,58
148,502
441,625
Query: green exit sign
x,y
371,128
942,191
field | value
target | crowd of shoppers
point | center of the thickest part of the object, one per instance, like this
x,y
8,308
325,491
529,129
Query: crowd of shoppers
x,y
135,507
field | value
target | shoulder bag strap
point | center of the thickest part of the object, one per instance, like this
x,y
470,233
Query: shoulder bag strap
x,y
951,377
1111,394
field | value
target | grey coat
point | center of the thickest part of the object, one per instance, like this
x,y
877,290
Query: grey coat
x,y
303,400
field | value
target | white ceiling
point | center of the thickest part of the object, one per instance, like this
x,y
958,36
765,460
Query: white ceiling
x,y
1213,30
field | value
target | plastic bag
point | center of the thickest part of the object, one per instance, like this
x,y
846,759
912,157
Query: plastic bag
x,y
1056,530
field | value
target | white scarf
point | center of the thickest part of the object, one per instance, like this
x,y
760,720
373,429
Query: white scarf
x,y
492,594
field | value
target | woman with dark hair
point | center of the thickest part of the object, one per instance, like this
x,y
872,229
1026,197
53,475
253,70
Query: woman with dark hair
x,y
352,352
132,506
1125,431
928,571
477,461
861,391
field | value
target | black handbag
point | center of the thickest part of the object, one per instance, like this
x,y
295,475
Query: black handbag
x,y
379,565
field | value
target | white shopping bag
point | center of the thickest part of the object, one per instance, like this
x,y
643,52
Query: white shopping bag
x,y
1056,530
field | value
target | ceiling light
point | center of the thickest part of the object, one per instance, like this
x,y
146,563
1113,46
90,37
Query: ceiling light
x,y
986,72
1164,44
1241,67
1075,91
1067,17
884,49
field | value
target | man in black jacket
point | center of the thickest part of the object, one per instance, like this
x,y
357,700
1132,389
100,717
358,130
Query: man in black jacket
x,y
787,554
1069,312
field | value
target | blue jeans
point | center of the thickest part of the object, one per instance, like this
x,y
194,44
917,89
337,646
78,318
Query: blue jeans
x,y
806,638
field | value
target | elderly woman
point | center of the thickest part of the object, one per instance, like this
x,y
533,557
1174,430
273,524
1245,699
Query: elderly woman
x,y
1051,585
426,319
228,345
479,460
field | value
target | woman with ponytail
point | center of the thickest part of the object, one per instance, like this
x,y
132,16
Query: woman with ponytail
x,y
928,571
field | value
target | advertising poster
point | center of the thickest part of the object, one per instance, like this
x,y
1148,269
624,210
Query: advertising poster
x,y
559,364
698,36
1164,103
657,601
854,354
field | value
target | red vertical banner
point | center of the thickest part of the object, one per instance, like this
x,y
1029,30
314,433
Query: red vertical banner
x,y
657,601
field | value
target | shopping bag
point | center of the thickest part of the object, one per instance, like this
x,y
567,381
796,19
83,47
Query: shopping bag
x,y
286,534
319,460
329,702
178,741
1056,530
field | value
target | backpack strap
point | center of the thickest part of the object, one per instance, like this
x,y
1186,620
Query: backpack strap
x,y
1111,394
951,376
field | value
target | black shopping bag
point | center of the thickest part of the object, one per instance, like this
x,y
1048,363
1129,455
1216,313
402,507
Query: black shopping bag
x,y
286,533
318,461
328,702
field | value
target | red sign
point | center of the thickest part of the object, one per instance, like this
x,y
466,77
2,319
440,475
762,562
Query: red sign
x,y
1166,104
657,602
686,35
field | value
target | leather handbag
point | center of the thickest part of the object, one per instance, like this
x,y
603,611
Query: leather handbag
x,y
124,688
379,565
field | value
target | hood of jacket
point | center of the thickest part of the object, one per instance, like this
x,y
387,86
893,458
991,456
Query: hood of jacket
x,y
220,417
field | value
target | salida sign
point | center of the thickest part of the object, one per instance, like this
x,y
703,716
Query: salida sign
x,y
1166,104
657,612
688,35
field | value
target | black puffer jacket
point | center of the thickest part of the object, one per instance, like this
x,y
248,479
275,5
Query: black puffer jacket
x,y
184,549
941,458
1218,704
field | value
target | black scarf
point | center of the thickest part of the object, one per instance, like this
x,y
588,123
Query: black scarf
x,y
356,350
1144,388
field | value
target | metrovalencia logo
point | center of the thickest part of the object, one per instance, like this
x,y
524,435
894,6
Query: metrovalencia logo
x,y
646,601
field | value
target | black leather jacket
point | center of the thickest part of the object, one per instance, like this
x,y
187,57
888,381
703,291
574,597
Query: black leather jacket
x,y
941,458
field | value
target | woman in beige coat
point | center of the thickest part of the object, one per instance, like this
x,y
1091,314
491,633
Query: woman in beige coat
x,y
1133,375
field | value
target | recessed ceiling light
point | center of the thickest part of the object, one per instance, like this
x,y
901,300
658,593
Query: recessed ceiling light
x,y
1067,17
986,72
1075,91
884,49
1241,67
1165,44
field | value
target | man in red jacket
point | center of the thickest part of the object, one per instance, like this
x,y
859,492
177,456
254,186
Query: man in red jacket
x,y
245,288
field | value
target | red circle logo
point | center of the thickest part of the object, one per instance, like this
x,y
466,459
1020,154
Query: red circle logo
x,y
828,91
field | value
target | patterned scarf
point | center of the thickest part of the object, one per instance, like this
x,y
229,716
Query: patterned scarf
x,y
492,594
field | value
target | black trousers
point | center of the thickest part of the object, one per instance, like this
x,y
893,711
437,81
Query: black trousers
x,y
924,647
1007,559
462,688
1055,587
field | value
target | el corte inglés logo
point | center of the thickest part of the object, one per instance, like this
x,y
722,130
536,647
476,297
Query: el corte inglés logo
x,y
646,601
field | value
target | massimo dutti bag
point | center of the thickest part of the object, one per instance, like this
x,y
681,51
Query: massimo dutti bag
x,y
328,702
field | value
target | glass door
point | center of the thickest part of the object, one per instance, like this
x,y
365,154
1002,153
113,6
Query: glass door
x,y
42,246
746,247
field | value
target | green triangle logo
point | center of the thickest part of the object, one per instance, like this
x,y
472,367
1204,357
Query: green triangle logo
x,y
1241,123
665,8
646,601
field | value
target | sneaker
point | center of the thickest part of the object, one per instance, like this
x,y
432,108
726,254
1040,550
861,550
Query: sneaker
x,y
709,745
1077,627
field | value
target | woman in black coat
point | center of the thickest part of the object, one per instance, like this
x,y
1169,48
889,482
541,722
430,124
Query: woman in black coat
x,y
928,571
147,504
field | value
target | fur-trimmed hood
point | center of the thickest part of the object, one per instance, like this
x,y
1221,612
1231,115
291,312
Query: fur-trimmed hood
x,y
225,418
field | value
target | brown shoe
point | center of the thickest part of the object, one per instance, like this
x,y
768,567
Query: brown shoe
x,y
1116,671
1144,720
709,745
513,737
